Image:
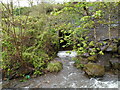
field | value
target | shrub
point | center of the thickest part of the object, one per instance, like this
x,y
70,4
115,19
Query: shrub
x,y
26,45
54,66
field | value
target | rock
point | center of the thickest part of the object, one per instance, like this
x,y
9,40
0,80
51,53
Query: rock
x,y
104,61
106,64
47,82
109,49
85,55
103,47
94,70
103,38
115,63
112,48
92,58
116,72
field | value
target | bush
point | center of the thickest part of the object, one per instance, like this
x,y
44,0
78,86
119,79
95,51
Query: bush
x,y
26,45
55,66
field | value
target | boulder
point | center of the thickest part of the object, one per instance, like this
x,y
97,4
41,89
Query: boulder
x,y
94,70
106,64
104,60
115,63
83,60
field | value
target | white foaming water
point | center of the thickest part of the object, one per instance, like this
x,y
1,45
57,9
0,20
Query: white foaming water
x,y
92,83
65,54
73,85
103,84
71,63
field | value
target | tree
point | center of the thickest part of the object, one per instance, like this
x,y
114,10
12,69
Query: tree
x,y
30,2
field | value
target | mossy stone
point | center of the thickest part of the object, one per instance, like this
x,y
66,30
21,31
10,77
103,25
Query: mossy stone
x,y
115,63
94,70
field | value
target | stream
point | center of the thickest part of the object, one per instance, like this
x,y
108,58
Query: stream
x,y
69,77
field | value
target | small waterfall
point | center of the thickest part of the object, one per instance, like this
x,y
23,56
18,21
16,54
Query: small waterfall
x,y
63,54
103,84
68,77
89,83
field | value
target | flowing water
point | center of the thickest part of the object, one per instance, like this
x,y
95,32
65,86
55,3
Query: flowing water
x,y
69,77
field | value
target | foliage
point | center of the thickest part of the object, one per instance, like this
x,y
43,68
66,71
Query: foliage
x,y
21,11
26,44
78,63
54,66
90,16
31,35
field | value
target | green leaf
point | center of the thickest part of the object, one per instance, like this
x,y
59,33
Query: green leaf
x,y
78,44
101,52
61,41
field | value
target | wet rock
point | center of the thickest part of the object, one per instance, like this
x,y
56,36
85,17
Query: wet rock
x,y
103,47
47,82
54,85
107,67
94,70
106,64
92,58
116,72
115,63
85,55
103,38
112,48
109,49
104,61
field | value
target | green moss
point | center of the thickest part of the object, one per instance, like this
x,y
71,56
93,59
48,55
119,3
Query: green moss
x,y
94,70
80,62
92,58
54,66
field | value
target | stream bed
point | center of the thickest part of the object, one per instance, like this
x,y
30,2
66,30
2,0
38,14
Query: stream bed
x,y
69,77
